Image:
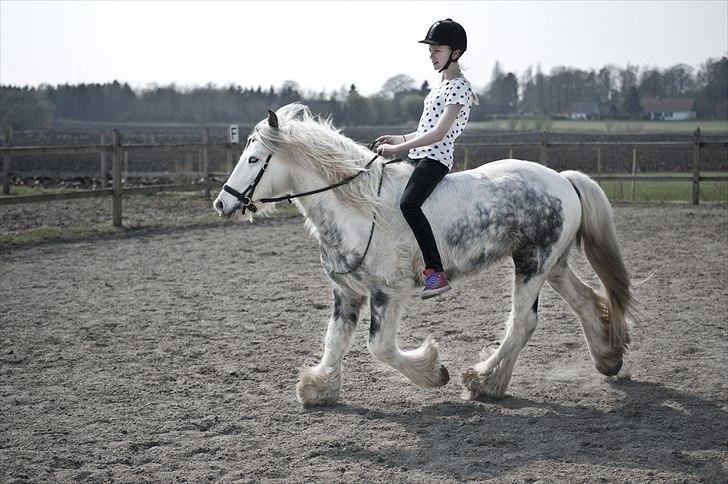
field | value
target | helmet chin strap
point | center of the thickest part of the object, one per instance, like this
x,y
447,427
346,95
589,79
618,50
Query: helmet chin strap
x,y
447,64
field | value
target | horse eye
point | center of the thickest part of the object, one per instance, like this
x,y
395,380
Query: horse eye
x,y
253,159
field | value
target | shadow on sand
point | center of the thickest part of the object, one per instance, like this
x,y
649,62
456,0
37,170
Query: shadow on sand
x,y
655,429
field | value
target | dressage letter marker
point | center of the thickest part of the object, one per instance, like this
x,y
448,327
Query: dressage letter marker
x,y
233,134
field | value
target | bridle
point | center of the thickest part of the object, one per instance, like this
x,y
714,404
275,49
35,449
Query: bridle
x,y
246,198
246,201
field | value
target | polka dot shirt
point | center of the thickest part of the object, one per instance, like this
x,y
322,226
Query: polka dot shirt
x,y
453,91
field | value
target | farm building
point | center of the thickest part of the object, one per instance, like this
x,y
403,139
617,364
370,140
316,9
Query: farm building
x,y
583,110
671,109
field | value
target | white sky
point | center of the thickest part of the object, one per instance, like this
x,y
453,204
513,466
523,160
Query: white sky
x,y
327,45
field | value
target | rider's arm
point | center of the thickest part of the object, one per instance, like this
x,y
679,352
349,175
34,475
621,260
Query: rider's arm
x,y
438,133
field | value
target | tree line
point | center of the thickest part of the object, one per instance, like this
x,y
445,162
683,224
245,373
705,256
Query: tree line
x,y
618,91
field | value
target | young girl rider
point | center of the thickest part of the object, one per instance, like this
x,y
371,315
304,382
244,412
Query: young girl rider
x,y
446,110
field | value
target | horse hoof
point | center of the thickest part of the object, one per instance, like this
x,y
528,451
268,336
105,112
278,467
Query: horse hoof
x,y
318,388
309,397
444,375
606,371
480,386
616,369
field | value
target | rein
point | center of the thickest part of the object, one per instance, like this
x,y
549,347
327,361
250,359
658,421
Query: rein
x,y
246,201
371,232
245,198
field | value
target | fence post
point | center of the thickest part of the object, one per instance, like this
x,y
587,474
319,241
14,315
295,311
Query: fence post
x,y
466,159
206,163
510,153
599,165
229,157
543,157
116,161
189,167
696,166
7,162
634,169
102,162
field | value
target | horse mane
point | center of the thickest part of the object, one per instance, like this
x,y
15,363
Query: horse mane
x,y
316,146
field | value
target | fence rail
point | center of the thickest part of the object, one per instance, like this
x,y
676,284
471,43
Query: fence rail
x,y
118,153
683,144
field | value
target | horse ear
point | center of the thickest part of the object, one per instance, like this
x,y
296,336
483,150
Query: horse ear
x,y
272,119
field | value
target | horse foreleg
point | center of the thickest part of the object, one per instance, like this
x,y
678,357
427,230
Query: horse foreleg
x,y
320,384
490,378
422,365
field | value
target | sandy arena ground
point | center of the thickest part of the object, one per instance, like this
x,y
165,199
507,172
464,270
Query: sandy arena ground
x,y
172,355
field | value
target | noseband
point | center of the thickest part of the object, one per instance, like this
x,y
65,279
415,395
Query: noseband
x,y
247,195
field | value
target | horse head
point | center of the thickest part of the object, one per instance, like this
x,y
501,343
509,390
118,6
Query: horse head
x,y
259,173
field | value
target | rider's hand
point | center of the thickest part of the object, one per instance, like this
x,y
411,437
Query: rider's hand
x,y
390,139
387,150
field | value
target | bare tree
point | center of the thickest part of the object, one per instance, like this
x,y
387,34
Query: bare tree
x,y
398,84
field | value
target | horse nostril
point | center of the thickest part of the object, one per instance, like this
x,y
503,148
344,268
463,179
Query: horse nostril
x,y
219,206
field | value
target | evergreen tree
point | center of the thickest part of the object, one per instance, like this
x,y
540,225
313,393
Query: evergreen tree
x,y
23,108
712,98
501,97
425,89
632,104
618,90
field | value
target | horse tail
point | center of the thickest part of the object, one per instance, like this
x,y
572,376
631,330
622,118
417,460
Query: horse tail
x,y
597,238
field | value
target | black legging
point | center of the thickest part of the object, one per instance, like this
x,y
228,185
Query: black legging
x,y
425,177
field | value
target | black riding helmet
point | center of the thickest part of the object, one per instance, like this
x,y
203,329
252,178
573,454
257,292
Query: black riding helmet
x,y
450,33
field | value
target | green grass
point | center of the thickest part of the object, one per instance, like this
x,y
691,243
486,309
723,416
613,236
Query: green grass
x,y
606,127
25,190
58,233
658,191
75,232
645,191
22,190
46,234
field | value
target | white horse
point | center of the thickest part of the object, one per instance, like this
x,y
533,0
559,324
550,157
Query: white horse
x,y
507,208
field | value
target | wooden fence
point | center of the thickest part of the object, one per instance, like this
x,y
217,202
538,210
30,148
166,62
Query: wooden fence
x,y
118,151
697,144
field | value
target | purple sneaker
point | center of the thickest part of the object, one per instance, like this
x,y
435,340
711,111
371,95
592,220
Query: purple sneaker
x,y
435,283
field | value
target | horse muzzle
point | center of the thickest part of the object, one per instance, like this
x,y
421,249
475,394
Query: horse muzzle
x,y
228,211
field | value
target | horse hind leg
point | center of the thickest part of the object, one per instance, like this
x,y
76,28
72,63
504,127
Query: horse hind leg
x,y
421,365
490,378
606,349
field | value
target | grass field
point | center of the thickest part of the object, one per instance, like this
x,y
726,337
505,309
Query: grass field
x,y
617,191
606,127
96,230
666,191
644,191
22,190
